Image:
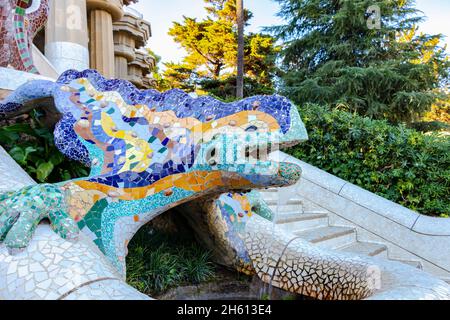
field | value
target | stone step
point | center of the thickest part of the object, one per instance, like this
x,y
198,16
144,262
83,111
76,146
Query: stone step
x,y
330,237
273,196
413,263
273,199
367,248
301,222
275,202
283,214
269,190
286,208
294,217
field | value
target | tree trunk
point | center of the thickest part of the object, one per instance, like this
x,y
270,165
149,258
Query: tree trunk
x,y
240,57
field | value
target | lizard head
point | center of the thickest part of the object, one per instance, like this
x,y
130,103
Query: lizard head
x,y
240,142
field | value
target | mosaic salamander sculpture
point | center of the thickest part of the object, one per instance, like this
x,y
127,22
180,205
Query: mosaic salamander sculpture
x,y
148,152
20,20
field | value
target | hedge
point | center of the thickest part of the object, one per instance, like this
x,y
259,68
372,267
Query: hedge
x,y
397,163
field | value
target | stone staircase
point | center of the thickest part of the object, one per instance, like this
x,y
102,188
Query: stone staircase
x,y
307,221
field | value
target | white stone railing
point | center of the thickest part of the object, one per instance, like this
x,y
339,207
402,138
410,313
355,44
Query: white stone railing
x,y
406,233
42,64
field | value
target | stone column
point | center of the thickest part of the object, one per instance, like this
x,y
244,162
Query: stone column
x,y
130,34
66,35
102,13
124,46
139,68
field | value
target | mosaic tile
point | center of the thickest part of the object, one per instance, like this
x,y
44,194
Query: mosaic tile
x,y
17,30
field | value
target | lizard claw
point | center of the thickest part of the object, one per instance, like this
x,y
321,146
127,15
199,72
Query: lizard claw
x,y
22,211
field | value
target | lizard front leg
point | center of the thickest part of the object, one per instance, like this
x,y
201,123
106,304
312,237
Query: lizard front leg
x,y
22,211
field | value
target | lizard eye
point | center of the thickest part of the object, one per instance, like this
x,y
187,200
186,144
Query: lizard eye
x,y
32,6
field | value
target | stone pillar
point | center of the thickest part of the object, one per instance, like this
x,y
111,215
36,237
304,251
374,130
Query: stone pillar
x,y
124,47
139,68
102,13
130,34
66,35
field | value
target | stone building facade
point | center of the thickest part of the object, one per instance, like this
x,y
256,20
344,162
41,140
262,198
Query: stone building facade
x,y
105,35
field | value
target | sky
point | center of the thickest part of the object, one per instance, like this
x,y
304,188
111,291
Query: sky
x,y
161,14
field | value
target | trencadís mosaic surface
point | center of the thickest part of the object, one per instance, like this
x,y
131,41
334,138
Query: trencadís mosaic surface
x,y
148,152
20,20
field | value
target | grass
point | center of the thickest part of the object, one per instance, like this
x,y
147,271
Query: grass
x,y
157,262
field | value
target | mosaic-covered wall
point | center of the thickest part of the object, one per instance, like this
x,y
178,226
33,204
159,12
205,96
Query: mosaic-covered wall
x,y
20,20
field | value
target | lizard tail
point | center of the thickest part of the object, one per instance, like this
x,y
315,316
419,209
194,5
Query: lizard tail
x,y
21,100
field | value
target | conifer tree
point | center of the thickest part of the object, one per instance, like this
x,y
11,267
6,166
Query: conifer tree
x,y
364,56
211,46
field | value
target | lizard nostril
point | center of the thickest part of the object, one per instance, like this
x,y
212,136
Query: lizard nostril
x,y
247,152
210,157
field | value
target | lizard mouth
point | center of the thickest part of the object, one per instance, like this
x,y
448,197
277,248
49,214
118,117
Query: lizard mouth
x,y
265,170
261,152
258,153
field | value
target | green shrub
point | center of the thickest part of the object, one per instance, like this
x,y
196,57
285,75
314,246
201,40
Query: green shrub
x,y
400,164
32,146
157,262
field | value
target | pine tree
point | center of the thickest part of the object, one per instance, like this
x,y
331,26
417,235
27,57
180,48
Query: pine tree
x,y
356,55
211,46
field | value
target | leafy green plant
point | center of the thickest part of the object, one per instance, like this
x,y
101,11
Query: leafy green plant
x,y
400,164
32,146
157,262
